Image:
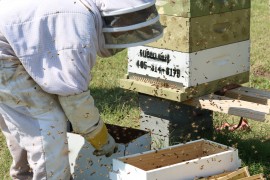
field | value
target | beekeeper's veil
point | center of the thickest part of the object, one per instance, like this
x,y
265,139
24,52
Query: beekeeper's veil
x,y
126,23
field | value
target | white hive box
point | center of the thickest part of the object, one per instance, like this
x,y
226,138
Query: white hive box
x,y
84,165
201,158
190,69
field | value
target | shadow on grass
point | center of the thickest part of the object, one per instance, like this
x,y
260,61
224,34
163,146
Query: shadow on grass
x,y
254,152
113,98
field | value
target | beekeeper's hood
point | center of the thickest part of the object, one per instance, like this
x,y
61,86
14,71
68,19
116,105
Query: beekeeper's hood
x,y
124,23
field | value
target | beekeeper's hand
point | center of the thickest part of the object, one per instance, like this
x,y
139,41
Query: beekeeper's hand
x,y
102,141
108,149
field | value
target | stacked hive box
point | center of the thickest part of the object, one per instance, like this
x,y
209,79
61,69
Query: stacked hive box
x,y
204,42
205,46
194,25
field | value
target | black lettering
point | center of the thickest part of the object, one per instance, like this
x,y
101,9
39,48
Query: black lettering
x,y
155,68
178,73
143,65
152,55
172,72
155,56
167,71
168,60
138,64
152,67
141,53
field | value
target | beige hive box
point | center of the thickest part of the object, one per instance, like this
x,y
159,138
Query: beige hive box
x,y
201,158
203,29
196,8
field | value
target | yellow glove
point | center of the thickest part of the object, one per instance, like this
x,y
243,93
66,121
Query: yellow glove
x,y
102,141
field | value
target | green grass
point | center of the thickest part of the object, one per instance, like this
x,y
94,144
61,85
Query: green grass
x,y
118,106
260,39
5,159
253,145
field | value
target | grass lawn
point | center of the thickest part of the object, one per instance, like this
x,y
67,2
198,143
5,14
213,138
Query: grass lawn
x,y
118,106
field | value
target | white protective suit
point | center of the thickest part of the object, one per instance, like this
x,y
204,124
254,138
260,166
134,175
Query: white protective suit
x,y
47,50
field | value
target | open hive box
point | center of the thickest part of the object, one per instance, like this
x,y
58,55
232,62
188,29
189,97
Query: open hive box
x,y
85,165
201,158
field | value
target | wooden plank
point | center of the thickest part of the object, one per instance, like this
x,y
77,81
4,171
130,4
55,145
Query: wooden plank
x,y
163,90
255,177
170,158
241,173
258,109
250,94
231,106
215,176
174,155
166,156
210,148
153,90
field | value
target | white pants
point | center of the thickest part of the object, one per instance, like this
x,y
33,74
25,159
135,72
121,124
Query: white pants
x,y
34,125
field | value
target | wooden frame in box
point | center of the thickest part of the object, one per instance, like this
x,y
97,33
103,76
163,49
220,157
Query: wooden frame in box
x,y
201,158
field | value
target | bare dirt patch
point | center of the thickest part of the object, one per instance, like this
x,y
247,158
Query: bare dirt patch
x,y
261,72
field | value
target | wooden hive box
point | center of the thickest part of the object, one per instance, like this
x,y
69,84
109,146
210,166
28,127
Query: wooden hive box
x,y
204,42
242,174
201,158
197,8
204,32
194,25
85,165
190,69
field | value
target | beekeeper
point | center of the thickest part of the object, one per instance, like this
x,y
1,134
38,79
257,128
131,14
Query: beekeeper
x,y
47,50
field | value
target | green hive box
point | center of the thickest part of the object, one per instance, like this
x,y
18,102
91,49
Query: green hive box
x,y
200,33
197,8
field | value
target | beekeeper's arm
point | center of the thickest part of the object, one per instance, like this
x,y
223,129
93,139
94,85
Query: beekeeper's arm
x,y
57,47
84,117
